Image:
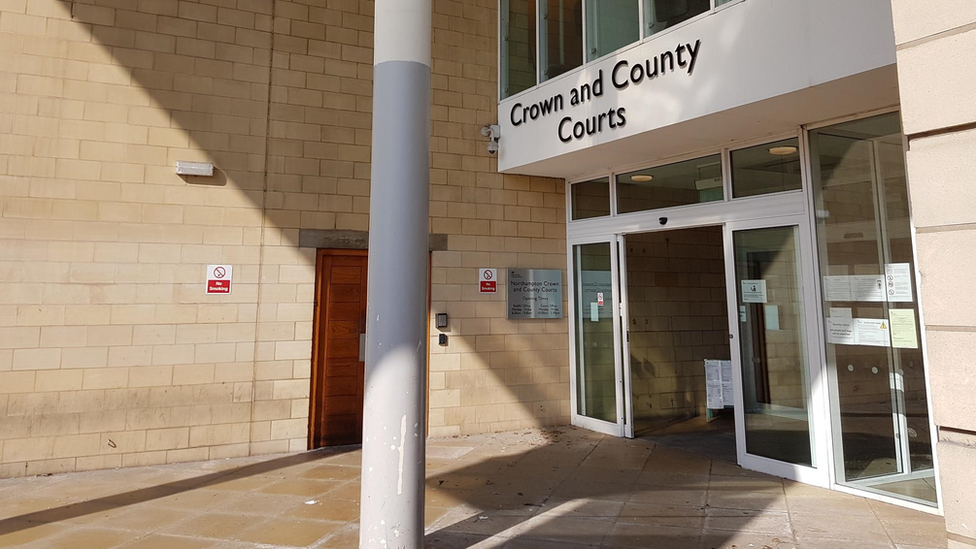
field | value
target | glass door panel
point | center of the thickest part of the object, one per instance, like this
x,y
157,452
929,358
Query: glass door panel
x,y
873,342
596,327
774,363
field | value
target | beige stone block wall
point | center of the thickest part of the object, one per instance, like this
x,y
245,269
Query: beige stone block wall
x,y
110,353
678,317
936,75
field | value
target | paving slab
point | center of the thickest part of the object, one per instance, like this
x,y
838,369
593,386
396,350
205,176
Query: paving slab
x,y
554,489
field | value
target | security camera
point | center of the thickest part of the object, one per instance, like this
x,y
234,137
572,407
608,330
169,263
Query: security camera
x,y
493,132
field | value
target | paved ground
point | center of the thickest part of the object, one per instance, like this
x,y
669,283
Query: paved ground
x,y
562,489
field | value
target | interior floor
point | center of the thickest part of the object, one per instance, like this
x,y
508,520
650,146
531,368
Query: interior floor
x,y
678,319
713,440
917,488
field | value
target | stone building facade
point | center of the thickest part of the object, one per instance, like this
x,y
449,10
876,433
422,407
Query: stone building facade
x,y
934,71
111,354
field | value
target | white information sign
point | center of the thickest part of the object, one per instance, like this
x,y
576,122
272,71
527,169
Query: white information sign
x,y
772,317
838,288
872,332
841,312
728,397
904,333
840,331
713,385
718,384
898,283
753,291
868,287
597,289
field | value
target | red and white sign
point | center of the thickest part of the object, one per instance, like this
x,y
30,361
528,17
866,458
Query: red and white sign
x,y
488,281
599,299
219,278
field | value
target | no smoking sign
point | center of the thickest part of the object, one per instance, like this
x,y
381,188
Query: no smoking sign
x,y
487,281
219,278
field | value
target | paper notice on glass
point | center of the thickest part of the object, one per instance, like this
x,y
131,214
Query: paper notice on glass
x,y
868,287
840,312
904,334
898,283
753,291
873,332
772,317
728,397
742,313
713,385
840,331
838,288
594,312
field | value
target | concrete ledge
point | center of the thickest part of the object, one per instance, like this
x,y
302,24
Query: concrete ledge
x,y
352,240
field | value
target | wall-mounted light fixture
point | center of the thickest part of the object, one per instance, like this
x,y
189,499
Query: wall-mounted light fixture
x,y
201,169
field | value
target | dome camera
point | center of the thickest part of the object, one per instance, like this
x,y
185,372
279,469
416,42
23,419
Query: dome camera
x,y
493,133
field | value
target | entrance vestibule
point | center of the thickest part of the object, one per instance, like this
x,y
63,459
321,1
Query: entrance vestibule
x,y
761,256
677,318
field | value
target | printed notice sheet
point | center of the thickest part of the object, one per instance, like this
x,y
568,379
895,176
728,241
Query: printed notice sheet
x,y
898,282
728,396
840,331
753,291
713,385
904,334
873,332
838,288
841,312
772,317
868,287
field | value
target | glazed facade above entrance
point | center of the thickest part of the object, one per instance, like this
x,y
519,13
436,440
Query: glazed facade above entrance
x,y
758,66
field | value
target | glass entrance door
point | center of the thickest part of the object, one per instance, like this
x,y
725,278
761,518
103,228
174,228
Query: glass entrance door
x,y
778,396
598,375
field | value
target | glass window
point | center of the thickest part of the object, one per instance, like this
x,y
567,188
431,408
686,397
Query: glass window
x,y
770,168
664,14
611,25
775,390
873,340
591,199
721,2
596,381
561,37
518,46
689,182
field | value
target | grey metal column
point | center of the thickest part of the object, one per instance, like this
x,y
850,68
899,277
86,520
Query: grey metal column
x,y
392,504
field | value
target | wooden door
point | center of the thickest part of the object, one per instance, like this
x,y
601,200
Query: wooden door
x,y
336,407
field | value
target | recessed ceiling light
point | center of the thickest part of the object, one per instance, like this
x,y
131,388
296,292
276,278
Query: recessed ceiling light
x,y
782,151
641,178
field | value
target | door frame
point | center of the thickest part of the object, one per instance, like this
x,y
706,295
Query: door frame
x,y
578,419
817,398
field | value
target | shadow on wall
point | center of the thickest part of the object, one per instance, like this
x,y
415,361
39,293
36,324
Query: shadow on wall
x,y
284,117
